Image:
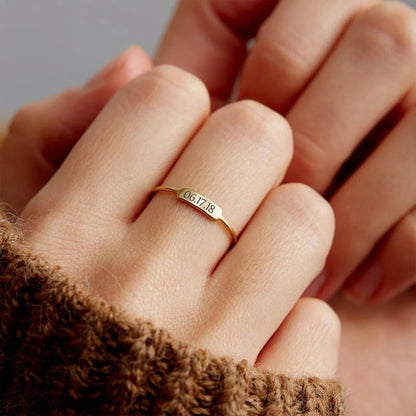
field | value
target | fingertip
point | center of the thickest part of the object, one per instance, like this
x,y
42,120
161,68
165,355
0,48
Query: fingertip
x,y
133,62
244,17
130,63
187,89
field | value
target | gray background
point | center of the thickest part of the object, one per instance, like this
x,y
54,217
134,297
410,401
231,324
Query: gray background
x,y
49,45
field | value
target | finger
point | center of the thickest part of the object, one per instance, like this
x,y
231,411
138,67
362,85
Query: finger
x,y
42,134
208,39
307,343
75,109
392,269
234,160
345,101
130,146
291,46
373,199
259,281
129,64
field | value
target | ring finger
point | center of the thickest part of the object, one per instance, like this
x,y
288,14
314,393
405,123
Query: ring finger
x,y
236,158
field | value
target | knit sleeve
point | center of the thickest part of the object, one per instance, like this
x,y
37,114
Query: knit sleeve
x,y
66,352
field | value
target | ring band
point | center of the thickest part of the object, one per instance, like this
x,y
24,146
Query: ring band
x,y
202,204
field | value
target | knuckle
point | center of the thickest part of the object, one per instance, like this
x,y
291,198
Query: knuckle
x,y
178,82
389,26
183,81
171,82
282,58
311,213
267,129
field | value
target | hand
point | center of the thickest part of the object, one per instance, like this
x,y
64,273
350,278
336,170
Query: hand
x,y
378,356
343,73
164,261
42,134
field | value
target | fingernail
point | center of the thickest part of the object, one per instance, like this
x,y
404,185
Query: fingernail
x,y
104,73
366,284
316,285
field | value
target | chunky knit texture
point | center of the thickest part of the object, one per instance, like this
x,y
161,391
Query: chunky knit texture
x,y
64,351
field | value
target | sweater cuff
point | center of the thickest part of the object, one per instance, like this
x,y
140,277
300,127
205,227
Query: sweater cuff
x,y
65,351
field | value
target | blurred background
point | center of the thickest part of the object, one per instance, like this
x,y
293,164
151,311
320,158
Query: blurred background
x,y
49,45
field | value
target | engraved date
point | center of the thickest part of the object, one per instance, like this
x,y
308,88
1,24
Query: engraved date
x,y
199,201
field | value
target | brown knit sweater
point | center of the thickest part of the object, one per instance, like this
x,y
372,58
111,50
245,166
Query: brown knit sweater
x,y
66,352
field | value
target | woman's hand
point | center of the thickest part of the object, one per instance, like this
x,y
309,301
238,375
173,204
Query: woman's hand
x,y
370,243
343,74
164,261
42,134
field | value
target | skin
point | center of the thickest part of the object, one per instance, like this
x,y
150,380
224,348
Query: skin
x,y
321,64
367,333
227,25
150,258
378,355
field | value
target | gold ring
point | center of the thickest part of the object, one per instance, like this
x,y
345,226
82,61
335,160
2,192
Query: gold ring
x,y
202,204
